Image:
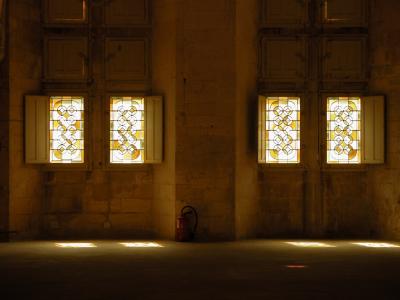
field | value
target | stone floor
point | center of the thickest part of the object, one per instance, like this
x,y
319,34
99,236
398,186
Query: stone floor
x,y
261,269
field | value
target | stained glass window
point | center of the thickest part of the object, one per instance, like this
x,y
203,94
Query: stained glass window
x,y
343,130
127,130
66,129
282,130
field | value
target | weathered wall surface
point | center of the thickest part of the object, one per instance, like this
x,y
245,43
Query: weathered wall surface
x,y
385,79
102,201
282,199
312,199
204,63
165,25
4,156
247,209
205,135
4,142
97,202
348,205
26,184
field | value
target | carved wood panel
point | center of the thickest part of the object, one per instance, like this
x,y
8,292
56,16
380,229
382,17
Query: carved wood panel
x,y
343,59
65,59
61,11
127,12
283,59
344,13
127,59
282,13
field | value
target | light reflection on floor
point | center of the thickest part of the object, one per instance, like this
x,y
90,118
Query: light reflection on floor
x,y
376,245
295,243
76,245
131,244
141,245
311,244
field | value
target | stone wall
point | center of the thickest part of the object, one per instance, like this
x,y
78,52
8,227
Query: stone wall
x,y
26,182
205,136
53,201
385,79
4,142
164,81
98,200
313,198
247,206
205,65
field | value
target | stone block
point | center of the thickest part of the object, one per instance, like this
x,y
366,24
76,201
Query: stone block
x,y
133,222
136,205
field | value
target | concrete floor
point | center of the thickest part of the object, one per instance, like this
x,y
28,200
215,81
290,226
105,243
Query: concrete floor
x,y
262,269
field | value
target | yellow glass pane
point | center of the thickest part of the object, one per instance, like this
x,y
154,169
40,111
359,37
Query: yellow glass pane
x,y
282,130
66,129
126,130
343,128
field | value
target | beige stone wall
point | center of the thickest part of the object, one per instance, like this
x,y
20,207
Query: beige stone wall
x,y
313,199
247,206
385,79
26,184
57,202
4,146
103,200
204,62
165,82
98,203
205,136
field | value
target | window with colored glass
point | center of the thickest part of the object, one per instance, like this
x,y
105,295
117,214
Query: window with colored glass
x,y
282,130
343,130
66,129
127,130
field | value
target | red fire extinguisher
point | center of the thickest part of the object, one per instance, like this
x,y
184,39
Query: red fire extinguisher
x,y
186,224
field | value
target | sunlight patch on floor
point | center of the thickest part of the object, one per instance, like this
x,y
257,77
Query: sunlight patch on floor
x,y
141,245
311,244
376,245
76,245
